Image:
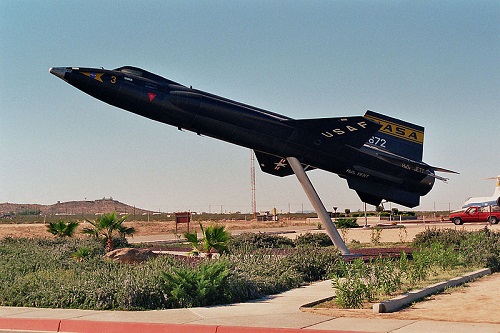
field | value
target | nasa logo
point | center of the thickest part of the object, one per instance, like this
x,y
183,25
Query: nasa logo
x,y
401,132
93,75
398,130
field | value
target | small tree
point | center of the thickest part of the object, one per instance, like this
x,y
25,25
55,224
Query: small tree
x,y
215,237
62,229
107,225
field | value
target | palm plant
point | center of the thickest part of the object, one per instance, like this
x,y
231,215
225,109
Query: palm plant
x,y
81,254
215,237
107,225
62,229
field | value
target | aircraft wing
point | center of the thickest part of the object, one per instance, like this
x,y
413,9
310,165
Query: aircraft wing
x,y
276,166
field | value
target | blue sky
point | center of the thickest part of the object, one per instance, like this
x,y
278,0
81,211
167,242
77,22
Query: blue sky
x,y
436,64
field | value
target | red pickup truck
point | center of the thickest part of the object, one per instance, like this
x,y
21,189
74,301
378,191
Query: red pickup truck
x,y
489,214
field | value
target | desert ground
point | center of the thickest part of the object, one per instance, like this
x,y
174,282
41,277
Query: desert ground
x,y
474,302
145,229
389,234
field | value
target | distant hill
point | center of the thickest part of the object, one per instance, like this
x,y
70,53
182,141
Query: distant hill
x,y
71,208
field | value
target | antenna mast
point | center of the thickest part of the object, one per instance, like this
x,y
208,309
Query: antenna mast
x,y
252,182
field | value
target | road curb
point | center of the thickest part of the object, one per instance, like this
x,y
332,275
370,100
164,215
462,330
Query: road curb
x,y
401,301
85,326
29,324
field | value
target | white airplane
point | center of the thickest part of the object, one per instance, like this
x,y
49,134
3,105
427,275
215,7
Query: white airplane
x,y
485,201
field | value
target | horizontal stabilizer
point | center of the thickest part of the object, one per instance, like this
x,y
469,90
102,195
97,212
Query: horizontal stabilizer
x,y
274,165
412,165
354,130
444,170
373,193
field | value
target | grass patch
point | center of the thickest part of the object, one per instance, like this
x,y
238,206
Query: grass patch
x,y
72,273
406,286
442,254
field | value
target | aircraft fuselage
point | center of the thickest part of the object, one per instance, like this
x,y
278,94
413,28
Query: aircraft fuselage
x,y
338,145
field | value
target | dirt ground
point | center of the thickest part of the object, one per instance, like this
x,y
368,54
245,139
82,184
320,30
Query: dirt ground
x,y
474,302
146,228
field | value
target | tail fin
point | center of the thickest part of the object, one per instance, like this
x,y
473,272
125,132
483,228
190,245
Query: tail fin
x,y
397,136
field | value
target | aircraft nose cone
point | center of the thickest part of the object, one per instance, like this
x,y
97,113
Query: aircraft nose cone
x,y
58,71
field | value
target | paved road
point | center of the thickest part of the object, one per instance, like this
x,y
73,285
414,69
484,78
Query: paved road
x,y
388,234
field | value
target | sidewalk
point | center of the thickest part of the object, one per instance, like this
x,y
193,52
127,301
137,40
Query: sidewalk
x,y
277,313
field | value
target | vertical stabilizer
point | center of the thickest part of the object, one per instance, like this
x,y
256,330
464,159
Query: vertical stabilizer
x,y
397,136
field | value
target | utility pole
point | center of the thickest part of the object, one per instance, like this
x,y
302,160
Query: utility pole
x,y
252,182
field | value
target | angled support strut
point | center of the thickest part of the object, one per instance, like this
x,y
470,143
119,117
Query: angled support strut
x,y
318,205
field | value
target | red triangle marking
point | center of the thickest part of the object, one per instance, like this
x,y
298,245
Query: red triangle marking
x,y
151,96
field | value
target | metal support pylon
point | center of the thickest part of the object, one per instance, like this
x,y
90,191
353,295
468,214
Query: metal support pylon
x,y
318,205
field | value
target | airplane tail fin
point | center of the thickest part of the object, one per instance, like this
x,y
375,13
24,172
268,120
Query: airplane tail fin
x,y
397,136
496,193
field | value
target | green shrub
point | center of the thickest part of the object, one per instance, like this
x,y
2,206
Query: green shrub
x,y
386,276
439,250
249,240
431,260
30,212
351,284
313,264
420,266
43,273
358,281
375,235
215,238
106,227
315,240
447,237
403,234
62,229
477,248
350,293
445,257
346,223
203,285
481,248
264,271
81,254
409,213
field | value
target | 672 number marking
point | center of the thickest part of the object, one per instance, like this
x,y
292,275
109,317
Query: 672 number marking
x,y
375,140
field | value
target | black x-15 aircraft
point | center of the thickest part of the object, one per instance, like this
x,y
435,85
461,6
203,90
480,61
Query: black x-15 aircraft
x,y
379,156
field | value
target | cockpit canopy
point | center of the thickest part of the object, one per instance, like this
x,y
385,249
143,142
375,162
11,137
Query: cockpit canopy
x,y
138,72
